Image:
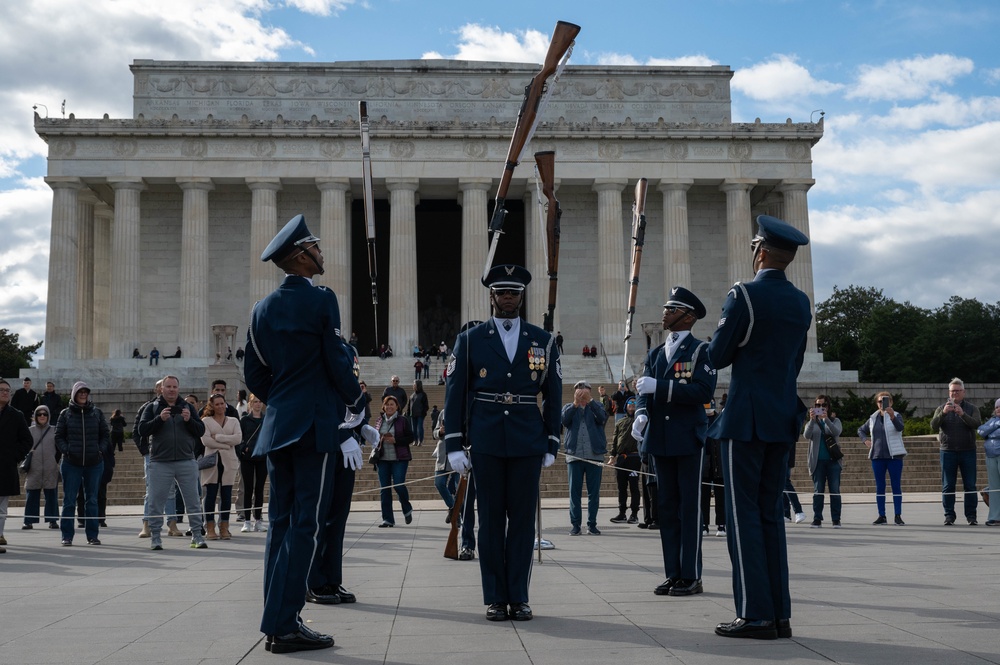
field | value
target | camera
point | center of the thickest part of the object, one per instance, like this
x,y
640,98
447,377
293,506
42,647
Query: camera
x,y
176,410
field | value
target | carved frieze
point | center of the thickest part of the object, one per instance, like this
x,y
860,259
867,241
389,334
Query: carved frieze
x,y
194,148
740,151
331,149
62,148
401,149
125,148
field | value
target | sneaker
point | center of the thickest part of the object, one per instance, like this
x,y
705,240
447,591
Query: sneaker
x,y
881,520
53,525
788,518
27,526
704,530
720,531
247,527
800,518
102,524
992,522
593,530
633,519
240,518
198,543
94,541
156,544
948,521
973,522
899,521
259,526
836,524
619,518
575,531
816,524
3,541
66,542
80,524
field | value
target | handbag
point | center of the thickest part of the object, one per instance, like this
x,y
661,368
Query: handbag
x,y
208,461
25,465
375,455
832,447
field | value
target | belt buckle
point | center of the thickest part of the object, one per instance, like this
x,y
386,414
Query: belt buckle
x,y
505,398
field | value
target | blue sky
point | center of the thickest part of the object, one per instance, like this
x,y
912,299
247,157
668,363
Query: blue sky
x,y
907,196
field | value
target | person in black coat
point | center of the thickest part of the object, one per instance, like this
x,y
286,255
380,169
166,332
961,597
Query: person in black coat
x,y
15,442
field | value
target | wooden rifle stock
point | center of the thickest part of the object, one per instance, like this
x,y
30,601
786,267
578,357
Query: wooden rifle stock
x,y
638,240
451,547
366,172
546,163
562,40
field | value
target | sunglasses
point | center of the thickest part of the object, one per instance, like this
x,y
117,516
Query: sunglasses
x,y
507,292
822,404
672,309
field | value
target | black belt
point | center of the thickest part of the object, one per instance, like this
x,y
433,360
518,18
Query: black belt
x,y
506,398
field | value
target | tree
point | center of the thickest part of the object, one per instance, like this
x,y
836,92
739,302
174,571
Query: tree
x,y
892,344
14,357
839,320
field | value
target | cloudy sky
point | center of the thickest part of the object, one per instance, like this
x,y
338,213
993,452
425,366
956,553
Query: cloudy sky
x,y
907,194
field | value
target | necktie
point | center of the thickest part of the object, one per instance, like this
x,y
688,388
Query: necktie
x,y
507,325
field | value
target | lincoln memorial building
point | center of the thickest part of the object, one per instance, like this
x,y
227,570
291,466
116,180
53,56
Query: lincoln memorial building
x,y
159,220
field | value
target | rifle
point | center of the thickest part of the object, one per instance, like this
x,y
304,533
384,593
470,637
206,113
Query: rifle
x,y
366,171
535,95
545,162
638,240
451,547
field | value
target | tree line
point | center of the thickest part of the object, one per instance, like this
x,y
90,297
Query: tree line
x,y
891,342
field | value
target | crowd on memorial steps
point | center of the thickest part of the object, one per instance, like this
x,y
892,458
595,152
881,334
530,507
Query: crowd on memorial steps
x,y
676,452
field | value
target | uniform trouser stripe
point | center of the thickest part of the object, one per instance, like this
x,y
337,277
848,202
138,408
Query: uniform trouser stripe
x,y
733,535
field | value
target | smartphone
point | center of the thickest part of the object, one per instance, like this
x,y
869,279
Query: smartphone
x,y
176,410
817,411
885,402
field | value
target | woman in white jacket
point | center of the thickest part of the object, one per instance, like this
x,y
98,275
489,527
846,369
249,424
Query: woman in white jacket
x,y
221,436
883,434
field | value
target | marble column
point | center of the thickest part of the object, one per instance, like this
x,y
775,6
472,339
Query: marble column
x,y
800,271
85,275
612,269
195,334
739,228
402,311
475,244
335,242
125,268
676,237
264,277
103,216
60,317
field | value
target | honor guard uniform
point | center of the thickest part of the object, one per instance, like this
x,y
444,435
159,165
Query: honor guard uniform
x,y
298,364
670,420
495,373
762,334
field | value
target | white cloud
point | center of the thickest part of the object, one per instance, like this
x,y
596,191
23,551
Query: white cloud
x,y
779,79
483,42
624,59
320,7
24,258
909,79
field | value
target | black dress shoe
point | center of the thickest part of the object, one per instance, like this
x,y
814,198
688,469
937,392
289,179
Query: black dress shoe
x,y
497,612
618,519
664,589
654,525
784,627
685,588
642,525
297,641
26,526
345,595
756,630
466,554
520,612
324,595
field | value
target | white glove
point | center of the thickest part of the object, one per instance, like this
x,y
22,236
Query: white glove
x,y
370,434
352,420
638,426
548,460
646,385
352,454
460,462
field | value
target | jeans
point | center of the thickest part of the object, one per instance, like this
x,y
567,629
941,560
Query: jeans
x,y
789,498
827,473
952,462
162,477
32,503
417,424
171,500
225,501
580,472
993,474
446,483
73,477
895,469
393,473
